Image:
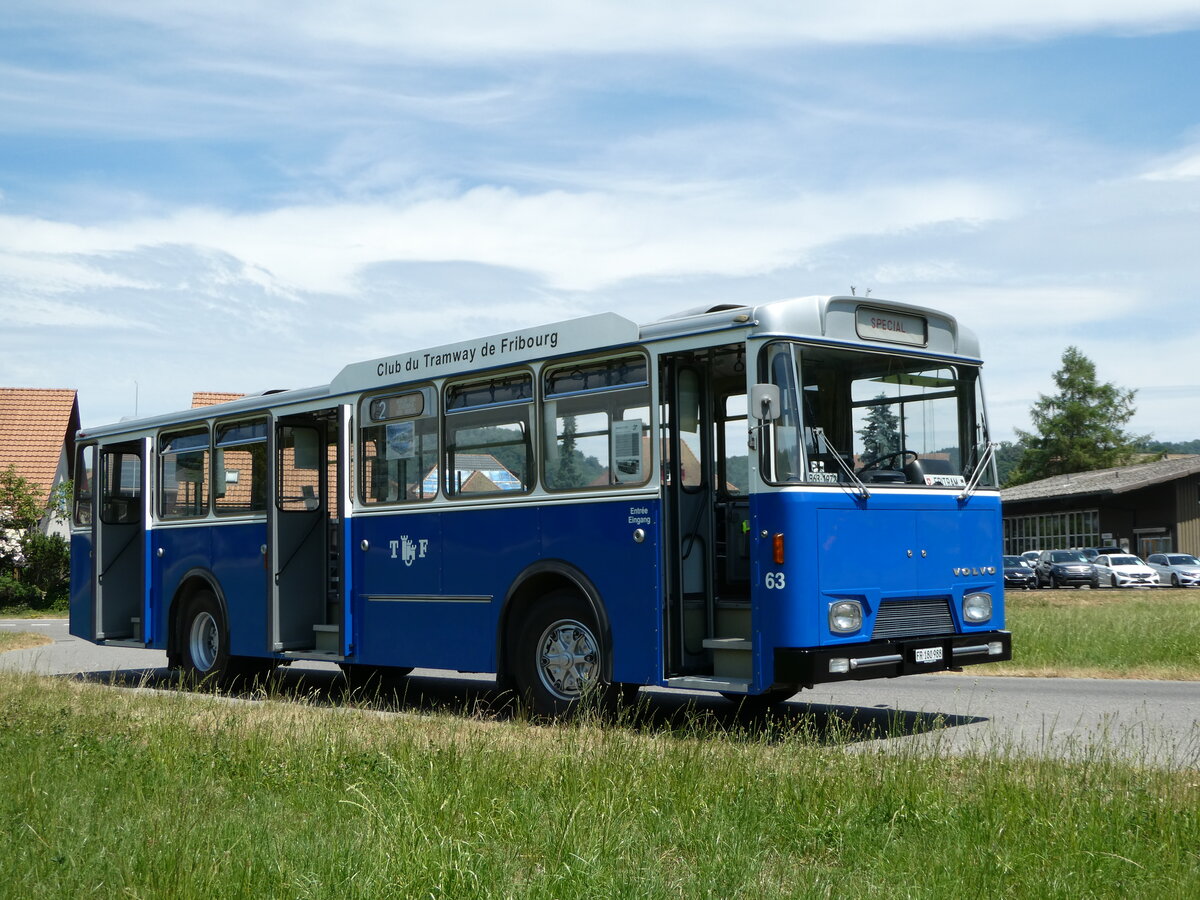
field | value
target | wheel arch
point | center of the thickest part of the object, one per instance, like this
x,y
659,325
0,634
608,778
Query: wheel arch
x,y
193,582
535,582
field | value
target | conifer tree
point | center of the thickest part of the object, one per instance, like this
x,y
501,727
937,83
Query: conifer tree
x,y
1078,429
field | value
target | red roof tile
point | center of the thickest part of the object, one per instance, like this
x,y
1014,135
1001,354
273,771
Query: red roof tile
x,y
35,425
212,398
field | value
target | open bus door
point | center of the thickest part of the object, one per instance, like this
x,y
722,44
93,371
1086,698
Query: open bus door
x,y
307,528
121,606
707,625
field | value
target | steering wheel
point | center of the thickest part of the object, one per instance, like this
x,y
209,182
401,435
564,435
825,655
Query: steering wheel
x,y
901,456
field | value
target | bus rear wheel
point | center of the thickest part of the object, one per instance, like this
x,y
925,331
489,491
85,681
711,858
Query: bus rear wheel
x,y
204,638
560,659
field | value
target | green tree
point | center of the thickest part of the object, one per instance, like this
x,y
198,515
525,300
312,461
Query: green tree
x,y
568,474
881,432
1079,429
1008,455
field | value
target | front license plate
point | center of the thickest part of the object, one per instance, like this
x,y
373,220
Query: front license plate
x,y
927,654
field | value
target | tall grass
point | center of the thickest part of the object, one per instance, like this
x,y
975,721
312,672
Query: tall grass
x,y
147,794
1108,634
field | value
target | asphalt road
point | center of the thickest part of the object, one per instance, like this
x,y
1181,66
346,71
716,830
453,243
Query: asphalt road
x,y
1153,722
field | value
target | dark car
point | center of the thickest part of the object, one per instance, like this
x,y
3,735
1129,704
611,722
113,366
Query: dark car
x,y
1018,573
1058,568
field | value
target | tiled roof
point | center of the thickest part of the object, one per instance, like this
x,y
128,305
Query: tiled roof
x,y
212,398
1104,481
35,424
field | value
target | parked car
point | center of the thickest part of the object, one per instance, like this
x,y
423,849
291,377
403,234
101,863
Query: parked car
x,y
1092,552
1178,569
1056,568
1018,573
1031,556
1124,570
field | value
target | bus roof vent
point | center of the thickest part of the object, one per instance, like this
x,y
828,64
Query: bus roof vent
x,y
703,310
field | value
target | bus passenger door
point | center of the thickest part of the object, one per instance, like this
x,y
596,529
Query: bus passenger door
x,y
120,587
688,495
305,520
708,627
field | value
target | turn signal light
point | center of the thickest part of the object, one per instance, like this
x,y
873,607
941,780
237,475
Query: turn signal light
x,y
778,549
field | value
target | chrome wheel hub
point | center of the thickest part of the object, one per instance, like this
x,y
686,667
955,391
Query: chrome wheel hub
x,y
204,641
567,658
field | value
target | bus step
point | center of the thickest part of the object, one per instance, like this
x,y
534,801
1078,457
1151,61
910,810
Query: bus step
x,y
326,638
728,644
732,657
709,683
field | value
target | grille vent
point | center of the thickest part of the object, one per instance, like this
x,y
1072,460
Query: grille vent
x,y
910,618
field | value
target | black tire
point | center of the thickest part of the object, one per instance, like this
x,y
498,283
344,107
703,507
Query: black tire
x,y
560,658
204,639
204,648
1113,579
1174,580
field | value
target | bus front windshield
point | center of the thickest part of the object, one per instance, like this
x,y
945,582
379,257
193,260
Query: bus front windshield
x,y
889,418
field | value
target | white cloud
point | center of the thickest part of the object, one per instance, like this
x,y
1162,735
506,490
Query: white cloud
x,y
574,241
1180,167
487,30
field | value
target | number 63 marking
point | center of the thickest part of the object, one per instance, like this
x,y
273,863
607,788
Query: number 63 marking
x,y
775,581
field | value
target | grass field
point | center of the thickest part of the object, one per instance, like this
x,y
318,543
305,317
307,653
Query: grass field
x,y
175,794
1151,634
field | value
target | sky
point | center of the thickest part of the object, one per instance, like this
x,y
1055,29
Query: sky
x,y
231,196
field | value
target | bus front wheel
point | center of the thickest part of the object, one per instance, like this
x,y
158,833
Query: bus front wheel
x,y
560,658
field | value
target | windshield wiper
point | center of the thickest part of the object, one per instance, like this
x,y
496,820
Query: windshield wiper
x,y
819,433
984,461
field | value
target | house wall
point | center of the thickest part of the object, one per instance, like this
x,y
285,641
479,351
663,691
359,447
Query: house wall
x,y
48,525
1171,510
1187,504
1126,516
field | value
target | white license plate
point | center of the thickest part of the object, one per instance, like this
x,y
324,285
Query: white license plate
x,y
928,654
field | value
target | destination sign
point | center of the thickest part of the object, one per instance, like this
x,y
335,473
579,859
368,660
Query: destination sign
x,y
893,327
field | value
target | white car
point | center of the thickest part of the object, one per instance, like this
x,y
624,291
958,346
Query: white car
x,y
1123,570
1180,569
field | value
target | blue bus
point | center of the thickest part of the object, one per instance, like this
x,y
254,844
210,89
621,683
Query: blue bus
x,y
747,500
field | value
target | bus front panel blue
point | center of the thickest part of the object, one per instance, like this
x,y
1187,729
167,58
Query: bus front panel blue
x,y
923,549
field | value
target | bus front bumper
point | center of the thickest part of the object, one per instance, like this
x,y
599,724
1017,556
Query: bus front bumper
x,y
889,659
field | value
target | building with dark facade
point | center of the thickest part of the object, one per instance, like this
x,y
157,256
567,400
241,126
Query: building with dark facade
x,y
1149,508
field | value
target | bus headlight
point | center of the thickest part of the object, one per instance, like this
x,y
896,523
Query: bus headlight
x,y
977,607
845,616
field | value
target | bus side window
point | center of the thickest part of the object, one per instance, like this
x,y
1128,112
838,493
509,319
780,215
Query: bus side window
x,y
183,474
240,473
489,436
398,447
596,417
85,469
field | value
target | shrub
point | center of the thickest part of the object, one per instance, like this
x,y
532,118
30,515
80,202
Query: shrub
x,y
48,569
19,594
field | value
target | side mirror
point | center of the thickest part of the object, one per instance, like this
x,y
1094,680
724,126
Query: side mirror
x,y
764,402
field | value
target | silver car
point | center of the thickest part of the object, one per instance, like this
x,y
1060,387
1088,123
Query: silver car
x,y
1124,570
1176,569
